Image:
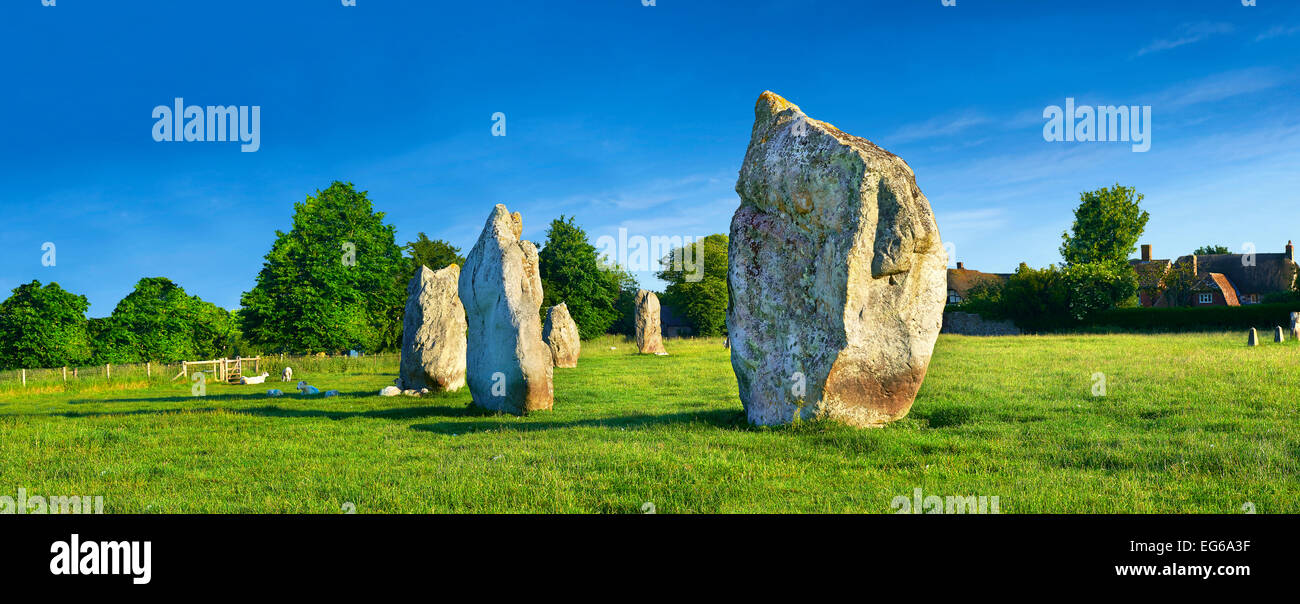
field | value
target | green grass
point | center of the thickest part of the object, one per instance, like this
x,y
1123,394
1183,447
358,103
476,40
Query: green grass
x,y
1190,423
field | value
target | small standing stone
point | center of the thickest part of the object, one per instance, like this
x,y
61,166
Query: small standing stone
x,y
1295,321
561,334
1253,340
649,332
1277,335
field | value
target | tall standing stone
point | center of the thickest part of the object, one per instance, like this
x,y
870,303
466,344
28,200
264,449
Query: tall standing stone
x,y
509,364
1253,338
1277,335
649,330
836,277
433,331
561,336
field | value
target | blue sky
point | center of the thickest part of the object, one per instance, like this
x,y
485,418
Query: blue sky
x,y
621,115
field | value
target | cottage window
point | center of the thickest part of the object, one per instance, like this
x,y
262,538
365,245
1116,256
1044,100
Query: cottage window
x,y
953,298
1206,298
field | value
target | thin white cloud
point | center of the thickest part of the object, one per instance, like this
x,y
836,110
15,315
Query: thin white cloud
x,y
1278,31
1217,87
967,221
1187,33
937,127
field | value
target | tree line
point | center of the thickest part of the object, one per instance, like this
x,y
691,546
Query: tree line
x,y
335,281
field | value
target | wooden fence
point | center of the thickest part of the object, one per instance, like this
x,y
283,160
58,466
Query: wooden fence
x,y
217,369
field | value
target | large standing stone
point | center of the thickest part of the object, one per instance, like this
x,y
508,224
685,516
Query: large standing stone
x,y
1253,338
509,364
561,336
433,331
1277,335
836,275
649,331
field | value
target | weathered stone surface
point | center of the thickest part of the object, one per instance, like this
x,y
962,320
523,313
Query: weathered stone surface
x,y
1295,320
649,330
433,331
390,391
509,364
836,275
1253,338
1277,335
561,336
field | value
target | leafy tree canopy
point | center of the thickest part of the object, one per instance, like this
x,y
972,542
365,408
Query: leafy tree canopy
x,y
335,281
433,253
572,274
1206,250
697,283
43,327
158,321
1107,226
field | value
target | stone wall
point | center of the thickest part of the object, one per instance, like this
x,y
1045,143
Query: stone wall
x,y
971,324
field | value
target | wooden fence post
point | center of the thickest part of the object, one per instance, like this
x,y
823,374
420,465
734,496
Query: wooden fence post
x,y
24,378
108,370
148,369
65,374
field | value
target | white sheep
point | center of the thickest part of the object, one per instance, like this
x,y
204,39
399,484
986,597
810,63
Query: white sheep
x,y
307,389
257,379
274,392
287,374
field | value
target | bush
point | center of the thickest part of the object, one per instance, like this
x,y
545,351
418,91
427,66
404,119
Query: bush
x,y
1291,297
1263,317
1053,298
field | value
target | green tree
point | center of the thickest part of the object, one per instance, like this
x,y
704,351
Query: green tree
x,y
335,281
626,304
43,327
158,321
1176,284
1097,286
1107,226
571,273
433,253
697,283
1207,250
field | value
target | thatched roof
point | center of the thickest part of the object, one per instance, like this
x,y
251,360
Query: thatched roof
x,y
1270,273
961,280
1218,282
1149,272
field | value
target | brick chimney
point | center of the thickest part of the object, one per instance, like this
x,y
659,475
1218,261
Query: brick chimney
x,y
1290,251
1146,252
960,267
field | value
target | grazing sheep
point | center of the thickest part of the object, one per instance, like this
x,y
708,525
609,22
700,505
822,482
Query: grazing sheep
x,y
287,374
257,379
307,389
331,393
274,392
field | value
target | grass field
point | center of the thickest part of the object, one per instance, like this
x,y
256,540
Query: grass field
x,y
1189,423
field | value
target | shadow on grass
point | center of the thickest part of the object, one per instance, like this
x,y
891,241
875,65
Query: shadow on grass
x,y
488,419
228,397
717,419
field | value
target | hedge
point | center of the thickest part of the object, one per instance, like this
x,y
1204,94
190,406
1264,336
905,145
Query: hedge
x,y
1263,317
